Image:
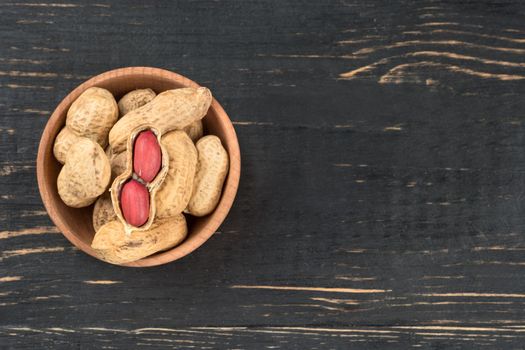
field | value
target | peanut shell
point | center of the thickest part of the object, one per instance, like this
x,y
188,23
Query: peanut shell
x,y
194,130
117,161
212,169
103,211
63,142
85,174
175,192
93,114
115,246
128,174
169,110
135,99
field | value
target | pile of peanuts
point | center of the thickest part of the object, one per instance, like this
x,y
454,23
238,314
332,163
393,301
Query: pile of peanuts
x,y
150,148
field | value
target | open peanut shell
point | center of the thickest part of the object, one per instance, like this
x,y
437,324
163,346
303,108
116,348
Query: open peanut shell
x,y
152,186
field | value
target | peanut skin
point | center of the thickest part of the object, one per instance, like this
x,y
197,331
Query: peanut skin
x,y
147,157
103,211
113,244
63,142
170,110
85,174
212,169
93,114
135,99
134,202
175,192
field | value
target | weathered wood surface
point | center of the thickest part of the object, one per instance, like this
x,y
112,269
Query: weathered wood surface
x,y
381,198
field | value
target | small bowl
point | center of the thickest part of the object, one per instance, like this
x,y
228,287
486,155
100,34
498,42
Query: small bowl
x,y
76,224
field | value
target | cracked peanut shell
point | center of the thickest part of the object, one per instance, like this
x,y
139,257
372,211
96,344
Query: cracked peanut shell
x,y
152,186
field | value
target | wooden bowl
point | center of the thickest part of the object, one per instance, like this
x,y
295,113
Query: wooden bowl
x,y
76,224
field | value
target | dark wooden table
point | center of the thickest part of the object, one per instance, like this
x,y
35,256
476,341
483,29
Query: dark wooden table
x,y
382,193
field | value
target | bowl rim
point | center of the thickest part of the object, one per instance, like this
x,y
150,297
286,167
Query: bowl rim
x,y
215,218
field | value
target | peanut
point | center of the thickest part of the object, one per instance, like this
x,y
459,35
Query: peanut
x,y
194,130
63,142
135,99
85,174
134,202
140,216
212,169
146,156
172,109
93,114
103,211
115,246
175,192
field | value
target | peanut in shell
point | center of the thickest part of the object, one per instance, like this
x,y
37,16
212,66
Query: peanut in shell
x,y
169,110
85,174
212,169
135,99
175,192
195,130
103,211
93,114
114,245
63,142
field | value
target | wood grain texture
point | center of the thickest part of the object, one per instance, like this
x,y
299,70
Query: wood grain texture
x,y
383,171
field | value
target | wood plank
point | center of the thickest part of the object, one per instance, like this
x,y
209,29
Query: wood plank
x,y
380,202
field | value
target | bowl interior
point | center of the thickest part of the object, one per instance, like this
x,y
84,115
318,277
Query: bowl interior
x,y
76,224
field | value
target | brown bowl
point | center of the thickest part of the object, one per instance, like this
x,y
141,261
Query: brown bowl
x,y
76,224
